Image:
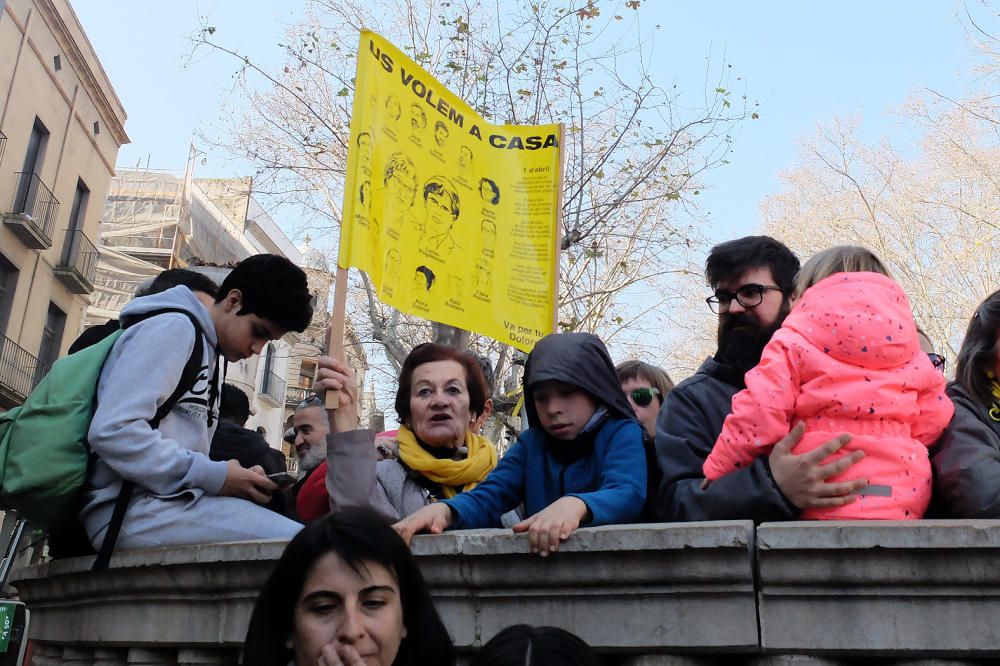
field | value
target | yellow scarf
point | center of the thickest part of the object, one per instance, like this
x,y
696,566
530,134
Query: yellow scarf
x,y
453,475
995,409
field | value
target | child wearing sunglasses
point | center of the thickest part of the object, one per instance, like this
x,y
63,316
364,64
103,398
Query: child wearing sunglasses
x,y
646,387
846,360
582,461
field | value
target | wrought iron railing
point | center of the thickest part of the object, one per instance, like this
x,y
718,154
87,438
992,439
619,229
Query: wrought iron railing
x,y
35,200
81,255
18,369
296,394
273,386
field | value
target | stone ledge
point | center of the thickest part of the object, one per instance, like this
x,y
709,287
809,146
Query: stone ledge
x,y
638,589
927,588
683,593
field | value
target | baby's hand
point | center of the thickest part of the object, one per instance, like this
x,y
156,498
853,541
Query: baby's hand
x,y
553,524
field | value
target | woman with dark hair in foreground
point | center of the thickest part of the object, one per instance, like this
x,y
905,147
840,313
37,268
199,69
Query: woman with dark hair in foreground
x,y
966,459
346,591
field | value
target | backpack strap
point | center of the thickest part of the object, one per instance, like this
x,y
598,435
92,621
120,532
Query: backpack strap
x,y
189,377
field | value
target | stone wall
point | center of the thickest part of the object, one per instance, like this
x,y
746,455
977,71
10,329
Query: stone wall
x,y
924,592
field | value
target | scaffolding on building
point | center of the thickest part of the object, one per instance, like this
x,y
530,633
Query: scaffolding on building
x,y
155,220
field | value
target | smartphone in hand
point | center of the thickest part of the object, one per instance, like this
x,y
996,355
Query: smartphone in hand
x,y
283,479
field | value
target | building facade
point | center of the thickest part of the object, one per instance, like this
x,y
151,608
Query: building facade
x,y
61,126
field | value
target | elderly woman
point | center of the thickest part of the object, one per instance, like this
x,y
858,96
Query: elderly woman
x,y
966,459
441,393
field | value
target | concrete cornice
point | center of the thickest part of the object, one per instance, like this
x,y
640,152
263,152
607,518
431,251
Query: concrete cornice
x,y
678,593
104,96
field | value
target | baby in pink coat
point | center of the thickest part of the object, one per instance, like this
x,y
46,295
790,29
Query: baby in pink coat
x,y
846,359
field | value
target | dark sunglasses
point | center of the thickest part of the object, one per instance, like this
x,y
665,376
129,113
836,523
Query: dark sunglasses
x,y
644,396
937,360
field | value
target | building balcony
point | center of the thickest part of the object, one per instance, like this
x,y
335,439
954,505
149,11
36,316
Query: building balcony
x,y
17,373
684,594
296,394
272,388
32,214
78,266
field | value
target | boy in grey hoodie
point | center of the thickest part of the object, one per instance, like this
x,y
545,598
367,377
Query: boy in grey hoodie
x,y
181,496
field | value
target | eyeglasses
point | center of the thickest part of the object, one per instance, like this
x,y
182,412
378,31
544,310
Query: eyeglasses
x,y
937,360
749,296
644,396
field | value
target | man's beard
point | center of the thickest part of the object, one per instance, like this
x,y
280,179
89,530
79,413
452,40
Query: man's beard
x,y
311,459
742,339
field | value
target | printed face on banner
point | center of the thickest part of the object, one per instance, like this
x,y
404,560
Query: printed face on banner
x,y
454,219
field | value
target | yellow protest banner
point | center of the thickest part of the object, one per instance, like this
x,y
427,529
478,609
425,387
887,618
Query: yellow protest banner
x,y
454,219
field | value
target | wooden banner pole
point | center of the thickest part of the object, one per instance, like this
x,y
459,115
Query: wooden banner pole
x,y
559,223
335,341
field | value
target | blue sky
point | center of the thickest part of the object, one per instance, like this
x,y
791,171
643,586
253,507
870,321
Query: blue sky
x,y
805,61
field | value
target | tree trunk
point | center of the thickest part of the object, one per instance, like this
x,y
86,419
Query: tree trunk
x,y
451,336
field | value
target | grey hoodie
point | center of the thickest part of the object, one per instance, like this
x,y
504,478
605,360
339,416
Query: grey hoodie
x,y
141,371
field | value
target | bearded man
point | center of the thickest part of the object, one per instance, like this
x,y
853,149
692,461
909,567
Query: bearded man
x,y
752,279
310,430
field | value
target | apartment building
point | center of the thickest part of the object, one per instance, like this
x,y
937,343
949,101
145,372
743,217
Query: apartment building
x,y
61,126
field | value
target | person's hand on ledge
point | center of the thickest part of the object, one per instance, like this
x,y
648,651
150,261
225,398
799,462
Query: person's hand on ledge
x,y
803,478
553,524
335,375
434,518
251,484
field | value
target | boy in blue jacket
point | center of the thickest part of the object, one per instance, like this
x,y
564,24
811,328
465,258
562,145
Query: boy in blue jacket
x,y
581,462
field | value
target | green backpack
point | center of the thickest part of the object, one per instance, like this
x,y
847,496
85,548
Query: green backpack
x,y
43,443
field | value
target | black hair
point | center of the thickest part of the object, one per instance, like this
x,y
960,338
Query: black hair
x,y
523,645
495,199
731,259
979,350
358,538
443,186
428,275
273,288
173,277
234,405
429,352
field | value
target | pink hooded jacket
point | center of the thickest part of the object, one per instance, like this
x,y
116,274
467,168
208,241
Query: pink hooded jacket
x,y
846,359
